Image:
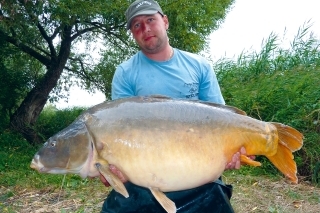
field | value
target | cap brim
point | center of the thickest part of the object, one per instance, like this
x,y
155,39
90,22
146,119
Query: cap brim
x,y
144,12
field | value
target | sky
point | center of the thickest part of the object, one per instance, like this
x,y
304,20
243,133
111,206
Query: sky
x,y
251,21
247,24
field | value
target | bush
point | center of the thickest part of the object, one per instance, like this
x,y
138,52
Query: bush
x,y
52,120
281,86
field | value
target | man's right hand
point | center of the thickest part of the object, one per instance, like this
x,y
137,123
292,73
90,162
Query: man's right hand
x,y
115,171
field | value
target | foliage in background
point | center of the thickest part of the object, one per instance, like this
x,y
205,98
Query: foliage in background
x,y
281,86
61,37
16,74
273,85
52,120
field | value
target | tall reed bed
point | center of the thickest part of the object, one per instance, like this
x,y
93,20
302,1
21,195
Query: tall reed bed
x,y
281,85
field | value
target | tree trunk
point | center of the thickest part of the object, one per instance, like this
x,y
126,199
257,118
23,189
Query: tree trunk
x,y
26,115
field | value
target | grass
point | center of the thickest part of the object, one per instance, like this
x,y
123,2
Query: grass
x,y
262,194
85,198
251,194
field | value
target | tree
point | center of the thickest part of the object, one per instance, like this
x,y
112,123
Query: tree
x,y
17,77
51,31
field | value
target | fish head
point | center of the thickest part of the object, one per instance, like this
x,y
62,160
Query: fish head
x,y
69,151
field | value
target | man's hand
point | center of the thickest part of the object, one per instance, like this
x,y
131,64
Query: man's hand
x,y
235,161
115,171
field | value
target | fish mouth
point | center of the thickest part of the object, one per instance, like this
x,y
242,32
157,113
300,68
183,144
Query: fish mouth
x,y
33,165
36,164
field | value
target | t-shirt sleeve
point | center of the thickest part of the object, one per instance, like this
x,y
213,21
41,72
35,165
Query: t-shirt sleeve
x,y
120,88
209,89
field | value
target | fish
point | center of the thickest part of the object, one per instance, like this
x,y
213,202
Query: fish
x,y
165,144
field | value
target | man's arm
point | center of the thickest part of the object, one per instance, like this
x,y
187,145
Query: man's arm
x,y
121,88
209,89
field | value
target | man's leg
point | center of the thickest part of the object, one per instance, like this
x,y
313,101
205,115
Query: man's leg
x,y
209,198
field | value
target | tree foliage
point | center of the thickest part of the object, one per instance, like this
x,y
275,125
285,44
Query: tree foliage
x,y
59,37
17,77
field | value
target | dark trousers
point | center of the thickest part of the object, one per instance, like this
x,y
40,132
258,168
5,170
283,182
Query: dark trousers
x,y
210,198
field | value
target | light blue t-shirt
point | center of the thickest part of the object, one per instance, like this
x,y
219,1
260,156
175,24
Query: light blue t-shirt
x,y
184,76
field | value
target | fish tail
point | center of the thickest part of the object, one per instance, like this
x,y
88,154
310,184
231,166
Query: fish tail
x,y
290,140
289,136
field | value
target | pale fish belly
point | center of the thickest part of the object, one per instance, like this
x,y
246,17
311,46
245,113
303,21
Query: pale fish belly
x,y
171,159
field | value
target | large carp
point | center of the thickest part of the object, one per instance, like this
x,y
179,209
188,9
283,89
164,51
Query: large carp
x,y
164,144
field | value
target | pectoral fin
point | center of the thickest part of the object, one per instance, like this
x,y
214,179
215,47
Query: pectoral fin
x,y
164,201
113,180
246,160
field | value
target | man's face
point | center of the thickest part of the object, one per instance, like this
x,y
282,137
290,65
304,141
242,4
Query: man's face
x,y
150,32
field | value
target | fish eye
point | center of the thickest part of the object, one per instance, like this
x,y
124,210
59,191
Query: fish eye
x,y
53,144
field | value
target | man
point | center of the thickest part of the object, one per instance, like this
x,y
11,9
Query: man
x,y
163,70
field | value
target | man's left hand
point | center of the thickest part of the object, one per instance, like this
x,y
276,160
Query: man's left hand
x,y
235,161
